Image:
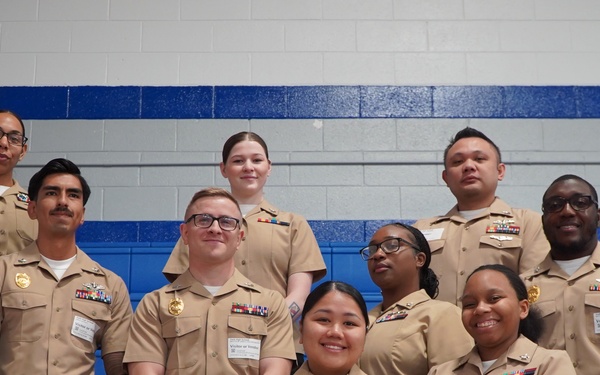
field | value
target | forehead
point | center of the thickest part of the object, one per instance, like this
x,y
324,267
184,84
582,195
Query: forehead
x,y
216,206
65,180
488,279
392,231
470,144
246,146
566,188
343,302
9,123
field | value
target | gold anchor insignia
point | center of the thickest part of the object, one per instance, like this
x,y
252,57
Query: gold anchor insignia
x,y
22,280
176,306
533,293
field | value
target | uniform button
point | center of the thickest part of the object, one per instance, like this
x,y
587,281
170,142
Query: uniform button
x,y
499,244
214,303
244,262
575,364
462,273
2,231
2,212
58,309
571,308
571,283
250,329
464,249
214,326
572,336
57,336
213,354
93,313
24,303
467,227
55,362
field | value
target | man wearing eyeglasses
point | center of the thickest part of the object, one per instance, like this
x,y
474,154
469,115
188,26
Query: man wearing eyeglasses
x,y
565,286
17,230
481,228
211,319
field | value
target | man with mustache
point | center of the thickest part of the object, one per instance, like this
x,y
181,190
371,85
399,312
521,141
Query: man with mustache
x,y
565,286
58,306
17,230
481,228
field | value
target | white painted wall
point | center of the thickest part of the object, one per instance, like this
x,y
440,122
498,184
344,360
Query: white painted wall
x,y
132,165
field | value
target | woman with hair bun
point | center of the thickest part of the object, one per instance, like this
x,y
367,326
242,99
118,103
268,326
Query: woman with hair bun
x,y
496,313
409,331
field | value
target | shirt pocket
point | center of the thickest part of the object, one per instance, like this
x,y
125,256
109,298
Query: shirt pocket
x,y
24,316
97,312
26,227
437,247
246,326
506,251
592,322
181,334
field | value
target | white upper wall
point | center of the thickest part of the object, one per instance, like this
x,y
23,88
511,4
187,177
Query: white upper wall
x,y
299,42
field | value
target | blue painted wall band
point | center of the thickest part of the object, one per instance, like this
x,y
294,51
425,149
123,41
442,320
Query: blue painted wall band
x,y
297,102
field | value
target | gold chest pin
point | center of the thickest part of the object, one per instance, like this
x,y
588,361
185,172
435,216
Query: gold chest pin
x,y
176,306
533,293
22,280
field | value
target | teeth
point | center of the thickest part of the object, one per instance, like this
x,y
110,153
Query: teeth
x,y
333,347
488,323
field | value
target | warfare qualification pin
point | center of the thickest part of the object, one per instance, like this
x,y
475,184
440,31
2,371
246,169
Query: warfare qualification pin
x,y
22,280
175,306
533,293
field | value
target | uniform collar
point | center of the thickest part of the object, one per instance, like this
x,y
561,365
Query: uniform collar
x,y
82,263
15,189
264,206
522,351
187,281
497,208
548,265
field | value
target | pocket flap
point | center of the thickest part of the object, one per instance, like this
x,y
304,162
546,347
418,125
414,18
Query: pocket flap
x,y
592,299
248,324
177,327
23,301
436,245
546,308
92,309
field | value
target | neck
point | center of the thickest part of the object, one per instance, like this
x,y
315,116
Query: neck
x,y
475,204
247,198
575,251
6,180
60,248
212,274
491,353
316,370
393,295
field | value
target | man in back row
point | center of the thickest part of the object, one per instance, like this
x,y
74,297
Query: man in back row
x,y
565,287
481,228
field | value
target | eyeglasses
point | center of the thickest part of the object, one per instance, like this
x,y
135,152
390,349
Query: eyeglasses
x,y
14,139
206,221
578,202
391,245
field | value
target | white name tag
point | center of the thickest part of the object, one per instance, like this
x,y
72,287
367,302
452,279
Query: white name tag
x,y
243,348
84,329
596,323
432,234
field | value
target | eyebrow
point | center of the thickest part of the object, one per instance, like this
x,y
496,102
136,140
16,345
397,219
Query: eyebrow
x,y
330,311
56,188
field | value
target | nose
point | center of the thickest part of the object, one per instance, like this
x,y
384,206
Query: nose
x,y
379,254
214,226
334,330
567,210
248,166
4,140
468,165
482,308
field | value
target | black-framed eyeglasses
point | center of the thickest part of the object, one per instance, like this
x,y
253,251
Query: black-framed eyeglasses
x,y
391,245
14,139
578,202
206,221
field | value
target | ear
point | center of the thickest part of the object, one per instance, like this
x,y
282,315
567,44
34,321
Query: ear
x,y
523,309
183,230
31,210
239,240
23,152
222,167
501,171
445,176
82,218
420,259
269,170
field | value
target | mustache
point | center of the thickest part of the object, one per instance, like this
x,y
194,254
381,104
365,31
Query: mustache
x,y
62,210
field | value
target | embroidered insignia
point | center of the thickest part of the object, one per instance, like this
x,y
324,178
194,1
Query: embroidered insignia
x,y
22,197
504,222
533,293
501,238
22,280
529,371
509,229
176,306
93,292
274,221
243,308
392,316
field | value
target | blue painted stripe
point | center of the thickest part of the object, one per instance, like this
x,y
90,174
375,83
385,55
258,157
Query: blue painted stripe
x,y
297,102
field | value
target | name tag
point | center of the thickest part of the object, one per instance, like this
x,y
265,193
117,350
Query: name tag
x,y
84,329
243,348
596,323
432,234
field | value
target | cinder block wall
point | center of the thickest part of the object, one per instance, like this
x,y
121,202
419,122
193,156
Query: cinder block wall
x,y
384,166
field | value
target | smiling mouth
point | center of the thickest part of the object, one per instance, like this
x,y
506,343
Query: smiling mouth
x,y
333,347
486,324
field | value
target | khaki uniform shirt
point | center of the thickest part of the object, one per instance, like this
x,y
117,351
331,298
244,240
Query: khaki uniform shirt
x,y
189,331
570,307
269,253
413,335
304,370
524,357
17,230
54,327
459,246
